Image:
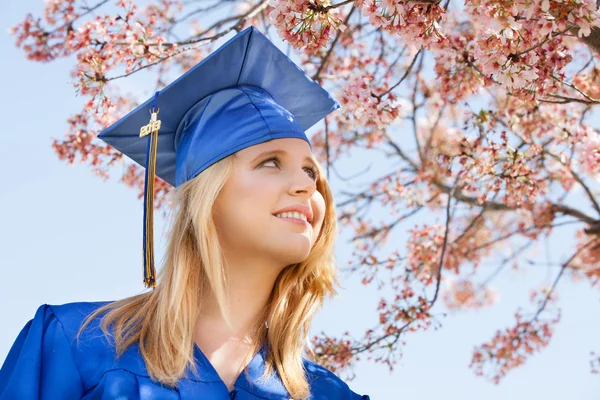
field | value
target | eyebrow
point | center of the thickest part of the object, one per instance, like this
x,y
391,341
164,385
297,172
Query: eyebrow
x,y
285,153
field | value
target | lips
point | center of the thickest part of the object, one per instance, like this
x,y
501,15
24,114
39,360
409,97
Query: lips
x,y
299,208
292,215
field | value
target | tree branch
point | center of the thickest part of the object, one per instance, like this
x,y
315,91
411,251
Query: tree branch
x,y
330,50
444,245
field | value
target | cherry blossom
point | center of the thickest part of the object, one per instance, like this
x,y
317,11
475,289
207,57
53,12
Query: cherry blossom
x,y
464,294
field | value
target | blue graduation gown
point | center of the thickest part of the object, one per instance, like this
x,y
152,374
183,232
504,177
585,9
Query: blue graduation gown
x,y
47,363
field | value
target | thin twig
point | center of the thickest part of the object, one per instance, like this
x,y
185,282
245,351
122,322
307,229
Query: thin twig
x,y
587,190
560,274
444,245
551,36
201,41
406,73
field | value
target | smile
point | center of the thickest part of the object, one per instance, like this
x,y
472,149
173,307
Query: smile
x,y
295,217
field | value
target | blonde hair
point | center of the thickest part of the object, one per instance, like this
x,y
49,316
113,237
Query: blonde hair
x,y
162,321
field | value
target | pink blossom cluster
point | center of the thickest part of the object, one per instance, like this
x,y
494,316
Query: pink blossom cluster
x,y
535,220
561,129
306,24
82,130
103,44
106,43
491,166
510,43
416,23
465,294
334,353
42,44
455,61
586,81
590,153
586,264
424,250
360,98
551,15
369,103
515,42
405,309
425,244
511,347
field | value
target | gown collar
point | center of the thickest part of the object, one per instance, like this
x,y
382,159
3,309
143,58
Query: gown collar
x,y
272,387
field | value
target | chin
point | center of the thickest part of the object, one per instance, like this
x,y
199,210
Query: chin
x,y
293,252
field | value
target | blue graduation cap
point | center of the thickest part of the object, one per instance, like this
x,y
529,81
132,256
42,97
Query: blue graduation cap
x,y
245,93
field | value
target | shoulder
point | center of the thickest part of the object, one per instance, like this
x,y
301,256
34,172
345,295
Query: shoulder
x,y
92,351
72,315
325,384
91,343
49,347
42,358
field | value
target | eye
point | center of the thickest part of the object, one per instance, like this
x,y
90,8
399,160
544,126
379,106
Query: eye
x,y
274,160
312,171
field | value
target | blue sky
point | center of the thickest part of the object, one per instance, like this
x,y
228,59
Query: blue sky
x,y
68,236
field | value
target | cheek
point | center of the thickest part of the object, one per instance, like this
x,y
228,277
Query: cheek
x,y
318,206
246,203
255,198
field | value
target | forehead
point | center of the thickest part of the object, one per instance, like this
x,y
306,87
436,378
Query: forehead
x,y
286,146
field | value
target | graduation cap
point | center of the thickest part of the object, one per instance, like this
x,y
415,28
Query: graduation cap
x,y
245,93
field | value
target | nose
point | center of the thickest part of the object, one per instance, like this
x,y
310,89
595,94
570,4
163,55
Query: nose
x,y
302,184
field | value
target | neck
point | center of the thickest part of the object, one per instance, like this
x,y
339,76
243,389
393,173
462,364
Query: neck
x,y
249,285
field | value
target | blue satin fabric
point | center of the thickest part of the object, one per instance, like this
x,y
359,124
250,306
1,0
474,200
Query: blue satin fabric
x,y
244,93
228,121
47,363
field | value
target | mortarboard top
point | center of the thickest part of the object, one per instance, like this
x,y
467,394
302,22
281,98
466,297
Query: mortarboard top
x,y
245,93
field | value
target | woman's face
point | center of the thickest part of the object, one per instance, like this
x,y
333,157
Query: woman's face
x,y
268,178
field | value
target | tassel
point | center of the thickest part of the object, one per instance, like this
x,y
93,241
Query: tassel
x,y
152,131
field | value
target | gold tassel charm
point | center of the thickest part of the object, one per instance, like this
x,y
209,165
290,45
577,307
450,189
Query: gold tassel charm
x,y
152,130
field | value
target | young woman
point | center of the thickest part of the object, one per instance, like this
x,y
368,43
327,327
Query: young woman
x,y
249,258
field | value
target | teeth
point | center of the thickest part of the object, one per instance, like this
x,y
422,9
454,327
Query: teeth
x,y
294,214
